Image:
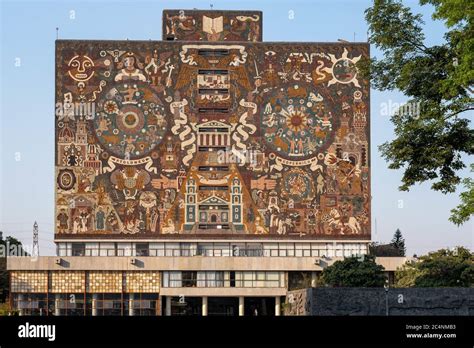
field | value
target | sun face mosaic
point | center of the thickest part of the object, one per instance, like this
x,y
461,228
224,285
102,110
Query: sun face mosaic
x,y
206,138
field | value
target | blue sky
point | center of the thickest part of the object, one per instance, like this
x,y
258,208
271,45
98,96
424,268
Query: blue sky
x,y
27,104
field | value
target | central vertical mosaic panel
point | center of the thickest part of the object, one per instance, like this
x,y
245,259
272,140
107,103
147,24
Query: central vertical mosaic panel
x,y
200,139
209,25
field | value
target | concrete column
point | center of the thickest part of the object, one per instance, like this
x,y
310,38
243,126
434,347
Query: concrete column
x,y
241,306
95,310
21,305
314,279
277,306
204,306
131,302
168,306
57,301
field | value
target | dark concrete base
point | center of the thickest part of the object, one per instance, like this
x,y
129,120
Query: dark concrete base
x,y
378,301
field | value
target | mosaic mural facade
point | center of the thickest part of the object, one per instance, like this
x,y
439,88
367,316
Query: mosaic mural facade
x,y
203,25
162,139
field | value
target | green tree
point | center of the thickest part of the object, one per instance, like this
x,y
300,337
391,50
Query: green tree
x,y
405,277
463,211
398,243
430,143
354,272
442,268
5,244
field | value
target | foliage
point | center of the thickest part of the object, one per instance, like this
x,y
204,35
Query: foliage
x,y
406,276
398,242
5,309
9,241
429,144
3,278
442,268
463,211
354,272
299,280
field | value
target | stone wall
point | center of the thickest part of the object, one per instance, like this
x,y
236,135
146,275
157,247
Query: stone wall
x,y
372,301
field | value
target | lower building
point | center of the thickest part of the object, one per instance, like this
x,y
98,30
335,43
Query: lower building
x,y
175,278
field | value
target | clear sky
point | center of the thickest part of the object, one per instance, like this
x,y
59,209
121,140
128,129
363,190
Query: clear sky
x,y
27,104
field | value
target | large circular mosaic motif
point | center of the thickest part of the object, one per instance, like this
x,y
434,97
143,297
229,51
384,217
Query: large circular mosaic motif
x,y
344,70
66,179
131,121
296,123
297,185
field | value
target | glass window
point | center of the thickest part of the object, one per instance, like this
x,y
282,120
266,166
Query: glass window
x,y
222,249
107,249
92,249
272,279
303,249
270,249
187,249
189,279
172,279
78,249
316,249
286,248
254,249
322,250
62,249
142,249
157,249
201,280
172,249
205,249
330,250
259,279
248,279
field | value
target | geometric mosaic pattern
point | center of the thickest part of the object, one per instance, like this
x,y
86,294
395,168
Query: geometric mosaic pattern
x,y
73,282
68,282
104,282
28,281
140,282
